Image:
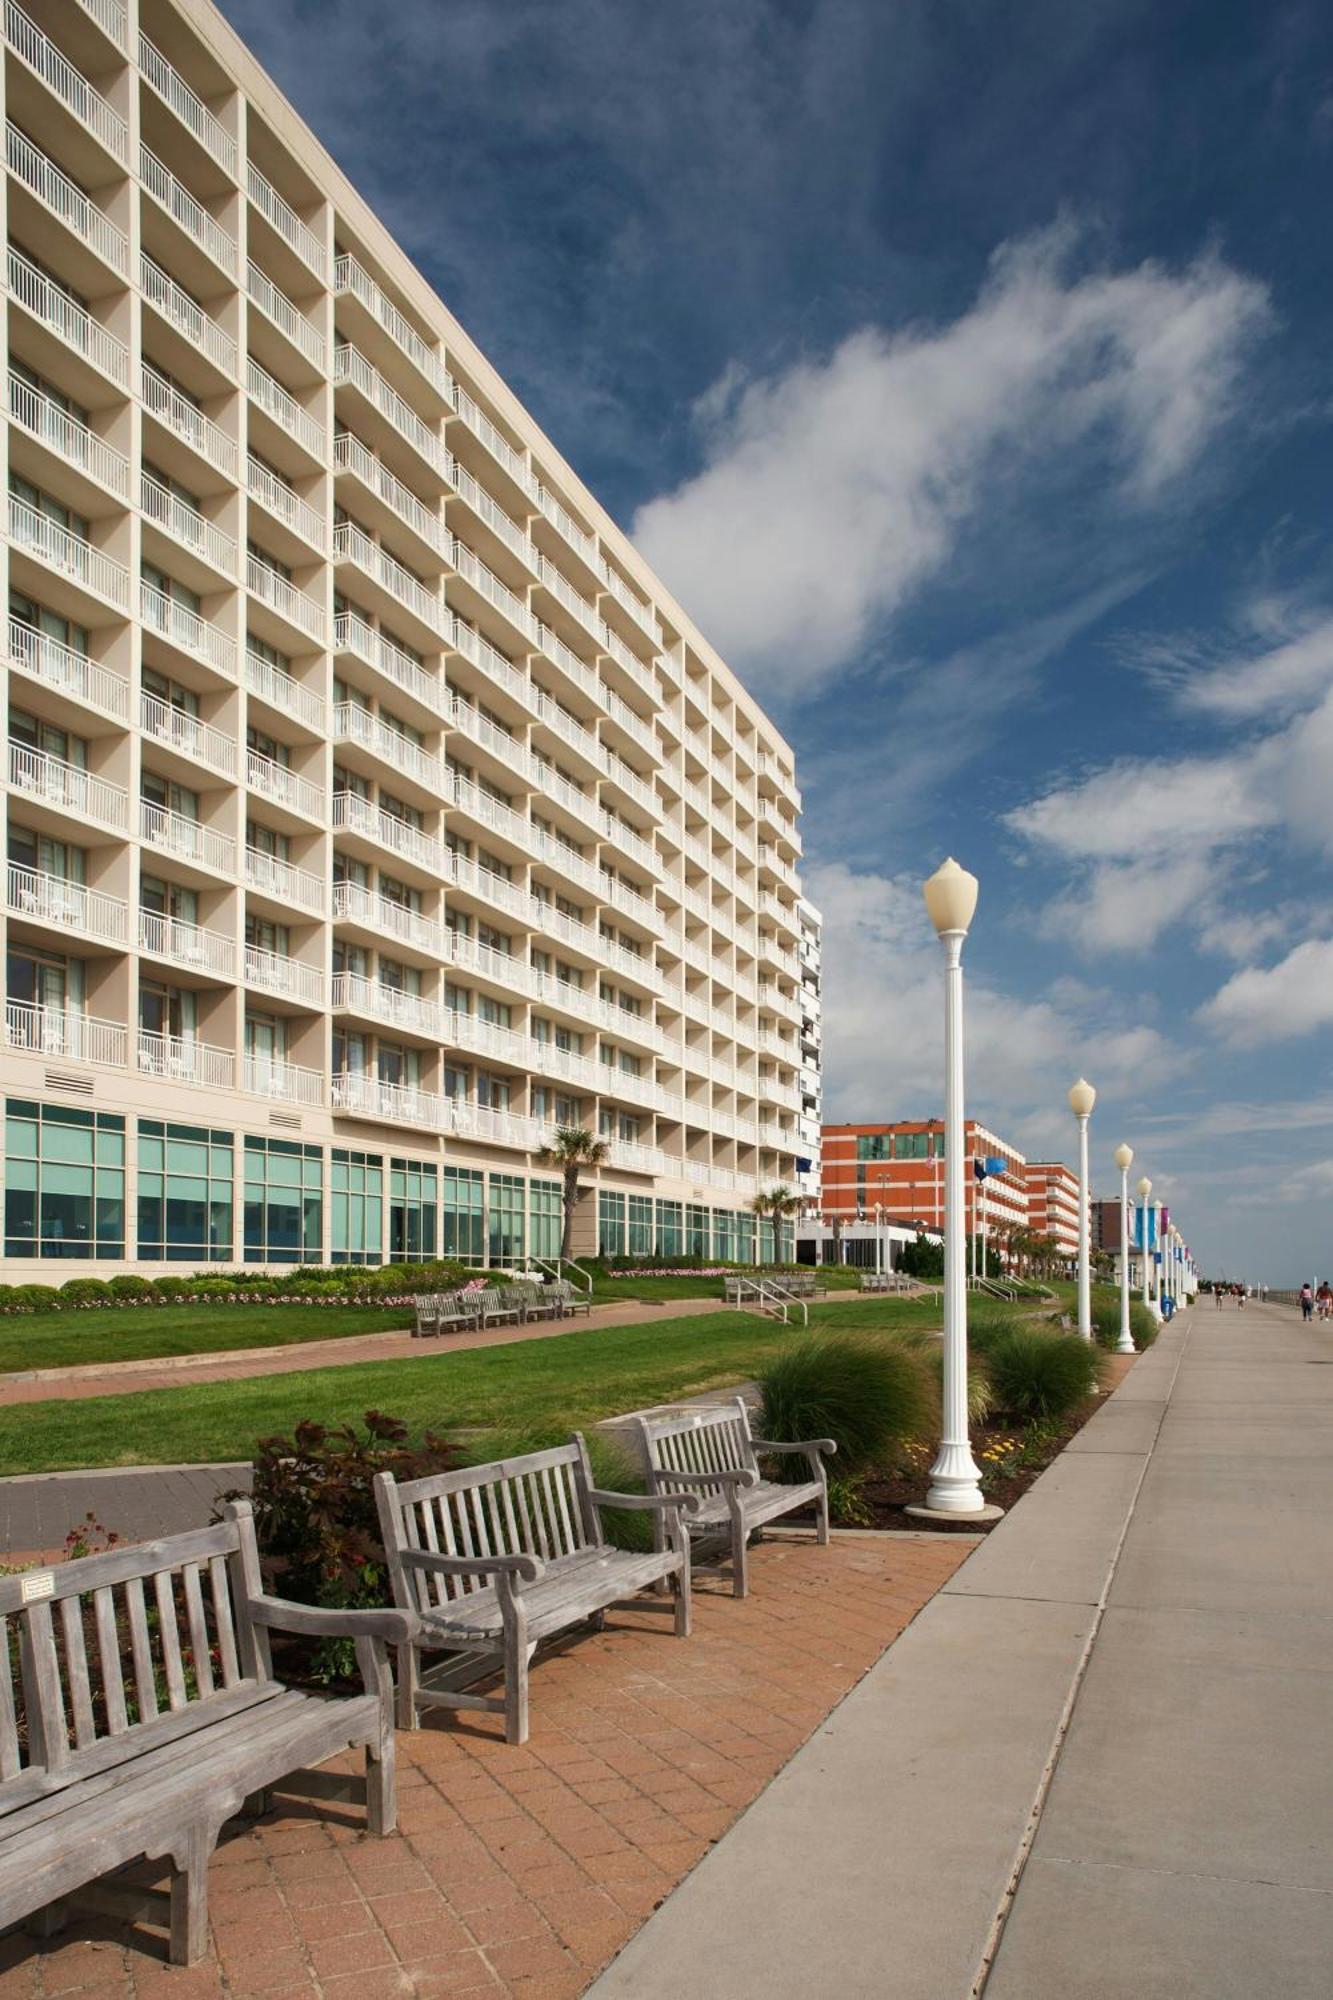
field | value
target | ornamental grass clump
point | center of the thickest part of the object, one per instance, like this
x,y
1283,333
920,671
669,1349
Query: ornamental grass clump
x,y
1039,1375
869,1396
1143,1325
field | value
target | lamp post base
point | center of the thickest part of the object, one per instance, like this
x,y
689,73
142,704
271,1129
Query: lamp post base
x,y
939,1517
1125,1345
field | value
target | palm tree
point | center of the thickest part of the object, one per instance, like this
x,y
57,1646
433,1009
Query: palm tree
x,y
571,1150
779,1203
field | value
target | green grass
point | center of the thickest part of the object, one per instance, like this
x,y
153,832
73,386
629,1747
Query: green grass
x,y
560,1384
626,1287
145,1333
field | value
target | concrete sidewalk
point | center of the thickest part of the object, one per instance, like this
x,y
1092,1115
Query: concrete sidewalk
x,y
1121,1702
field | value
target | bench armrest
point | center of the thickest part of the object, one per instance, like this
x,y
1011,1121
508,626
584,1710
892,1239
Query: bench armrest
x,y
825,1446
315,1621
528,1568
686,1503
744,1476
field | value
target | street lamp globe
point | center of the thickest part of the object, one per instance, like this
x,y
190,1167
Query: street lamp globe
x,y
951,898
1124,1157
1144,1188
1082,1097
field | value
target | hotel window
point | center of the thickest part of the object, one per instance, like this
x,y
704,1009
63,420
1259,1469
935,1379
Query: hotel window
x,y
640,1229
610,1224
64,1182
696,1232
668,1229
462,1215
457,1083
492,1091
284,1202
356,1182
185,1193
505,1218
724,1236
413,1211
545,1218
30,623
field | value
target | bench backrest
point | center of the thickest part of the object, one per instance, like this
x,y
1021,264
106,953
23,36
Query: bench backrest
x,y
108,1655
537,1505
698,1442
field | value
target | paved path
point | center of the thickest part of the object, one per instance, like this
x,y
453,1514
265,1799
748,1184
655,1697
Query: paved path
x,y
1126,1694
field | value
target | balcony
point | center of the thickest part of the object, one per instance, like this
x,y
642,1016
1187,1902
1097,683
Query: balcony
x,y
110,18
187,527
373,1001
87,105
187,945
354,904
186,734
579,738
616,587
578,538
283,883
37,535
351,544
282,787
492,891
465,1120
569,663
282,1082
351,369
265,583
275,305
73,674
284,505
353,635
285,411
487,735
499,447
280,691
182,417
488,812
492,515
186,630
178,1060
194,325
51,1031
633,725
354,814
187,839
58,194
274,972
194,115
68,788
354,724
495,666
360,1095
288,224
349,278
499,596
67,906
71,325
350,455
190,215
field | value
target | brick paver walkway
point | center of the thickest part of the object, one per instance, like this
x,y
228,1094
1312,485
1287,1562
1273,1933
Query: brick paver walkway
x,y
522,1871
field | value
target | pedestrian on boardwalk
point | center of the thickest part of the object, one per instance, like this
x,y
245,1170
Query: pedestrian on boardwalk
x,y
1307,1300
1323,1299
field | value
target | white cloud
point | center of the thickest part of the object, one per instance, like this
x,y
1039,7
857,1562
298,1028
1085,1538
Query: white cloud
x,y
835,490
1269,1005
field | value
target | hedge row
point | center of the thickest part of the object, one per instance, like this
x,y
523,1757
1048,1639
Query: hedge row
x,y
352,1285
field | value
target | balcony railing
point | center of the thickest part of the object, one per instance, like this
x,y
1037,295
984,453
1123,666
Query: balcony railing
x,y
493,514
178,1059
265,583
285,411
191,215
479,729
70,85
283,881
272,780
641,613
175,92
492,889
180,415
110,17
281,691
376,1002
59,666
188,839
348,276
489,586
54,1031
577,537
287,222
186,629
488,812
188,319
186,525
277,973
569,730
351,365
275,305
354,724
358,815
355,904
68,787
497,445
69,906
284,1082
35,292
303,519
350,455
39,536
494,665
365,1096
351,544
353,635
57,192
187,944
167,724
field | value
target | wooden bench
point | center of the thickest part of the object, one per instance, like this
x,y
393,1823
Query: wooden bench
x,y
139,1710
445,1312
713,1454
536,1301
496,1305
492,1559
571,1299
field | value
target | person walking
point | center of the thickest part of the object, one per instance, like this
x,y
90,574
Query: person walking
x,y
1323,1299
1307,1300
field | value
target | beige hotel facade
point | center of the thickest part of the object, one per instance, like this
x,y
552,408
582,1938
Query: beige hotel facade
x,y
371,806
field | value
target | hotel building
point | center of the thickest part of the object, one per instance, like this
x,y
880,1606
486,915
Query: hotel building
x,y
899,1169
372,808
809,1126
1053,1199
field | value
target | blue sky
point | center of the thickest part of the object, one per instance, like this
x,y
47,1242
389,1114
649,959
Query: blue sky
x,y
965,371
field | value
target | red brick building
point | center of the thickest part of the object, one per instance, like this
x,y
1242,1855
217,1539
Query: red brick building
x,y
1052,1190
899,1168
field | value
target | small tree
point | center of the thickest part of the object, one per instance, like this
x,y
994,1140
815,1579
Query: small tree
x,y
777,1203
572,1149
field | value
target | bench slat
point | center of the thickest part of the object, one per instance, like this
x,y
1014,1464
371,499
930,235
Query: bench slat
x,y
145,1678
76,1671
168,1638
9,1728
114,1566
108,1654
199,1646
221,1596
48,1730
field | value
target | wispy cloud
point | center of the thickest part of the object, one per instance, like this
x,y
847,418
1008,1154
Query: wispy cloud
x,y
1276,1003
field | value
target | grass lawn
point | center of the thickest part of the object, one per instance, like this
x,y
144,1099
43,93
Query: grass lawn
x,y
629,1287
141,1333
564,1383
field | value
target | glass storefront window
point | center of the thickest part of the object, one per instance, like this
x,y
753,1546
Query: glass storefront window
x,y
462,1216
413,1211
669,1228
356,1184
284,1202
64,1182
505,1218
610,1224
185,1193
640,1225
545,1218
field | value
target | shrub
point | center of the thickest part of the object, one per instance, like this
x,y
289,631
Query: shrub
x,y
173,1286
1142,1325
1035,1374
37,1298
867,1395
930,1350
126,1286
85,1292
1106,1322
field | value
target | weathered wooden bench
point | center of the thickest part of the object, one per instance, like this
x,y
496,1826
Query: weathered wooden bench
x,y
713,1454
492,1559
445,1312
536,1301
497,1305
572,1300
139,1710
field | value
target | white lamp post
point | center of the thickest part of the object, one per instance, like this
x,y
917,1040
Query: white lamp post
x,y
1124,1159
1082,1097
1143,1190
955,1482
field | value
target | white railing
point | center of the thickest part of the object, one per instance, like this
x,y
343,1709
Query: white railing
x,y
564,593
633,724
351,365
110,17
69,787
57,192
193,113
629,780
188,319
281,691
363,1096
377,1002
354,724
179,414
569,662
489,812
641,675
563,856
44,538
73,673
287,506
186,525
284,881
355,904
285,411
287,222
489,586
489,735
494,665
274,781
577,537
488,887
492,513
352,635
358,815
641,613
51,1031
571,731
352,544
70,85
181,1060
641,850
348,276
186,733
189,839
186,629
350,455
466,1120
286,1083
264,582
50,899
275,305
55,308
497,445
277,973
191,215
184,943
